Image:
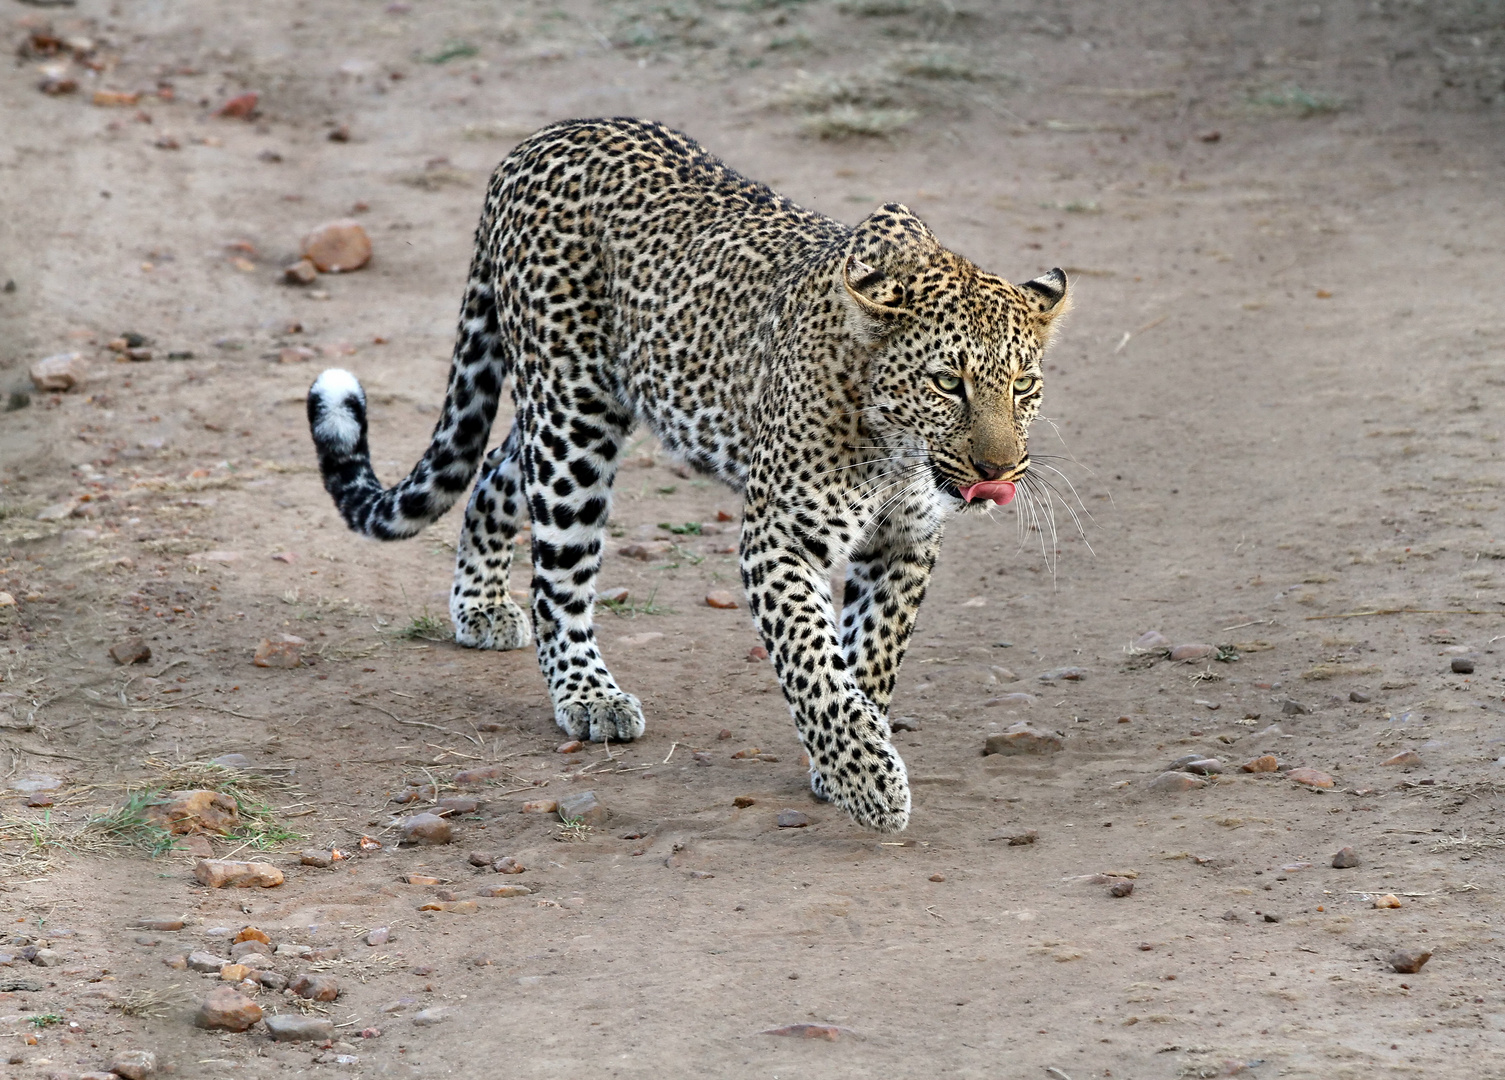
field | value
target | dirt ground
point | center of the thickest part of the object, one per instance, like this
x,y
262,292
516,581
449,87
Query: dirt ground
x,y
1279,399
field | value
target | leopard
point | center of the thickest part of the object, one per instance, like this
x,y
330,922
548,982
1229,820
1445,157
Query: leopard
x,y
858,385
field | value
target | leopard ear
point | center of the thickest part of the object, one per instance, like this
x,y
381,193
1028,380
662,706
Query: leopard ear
x,y
875,292
1048,298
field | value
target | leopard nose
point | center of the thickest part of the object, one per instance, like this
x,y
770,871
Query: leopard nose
x,y
989,470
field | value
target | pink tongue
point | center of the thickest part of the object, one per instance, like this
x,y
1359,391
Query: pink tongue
x,y
999,491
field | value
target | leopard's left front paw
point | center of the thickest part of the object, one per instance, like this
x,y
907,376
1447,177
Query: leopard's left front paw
x,y
869,782
608,716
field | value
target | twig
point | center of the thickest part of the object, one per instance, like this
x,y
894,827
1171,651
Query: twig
x,y
1130,333
1404,611
400,720
1240,626
1057,1074
670,754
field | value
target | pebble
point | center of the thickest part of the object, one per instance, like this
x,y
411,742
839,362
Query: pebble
x,y
1002,674
315,987
582,806
1022,738
285,651
1064,674
1311,778
1462,665
287,948
937,877
1409,961
132,650
134,1064
227,1008
429,1017
1176,781
1289,707
1029,836
426,829
302,272
1358,697
1151,640
792,819
315,857
421,879
747,752
242,106
480,775
618,595
1389,900
906,723
720,598
1204,766
234,973
503,890
1294,867
1344,858
574,746
1270,916
337,247
829,1032
1193,651
272,980
480,858
293,1027
45,957
742,802
194,811
232,761
507,864
1262,764
217,873
1010,699
1120,889
205,962
380,936
454,907
1404,759
60,372
646,552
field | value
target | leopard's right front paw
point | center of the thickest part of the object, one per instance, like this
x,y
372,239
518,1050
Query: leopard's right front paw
x,y
502,626
869,782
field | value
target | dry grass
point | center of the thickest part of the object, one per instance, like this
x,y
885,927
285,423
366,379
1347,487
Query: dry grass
x,y
149,1002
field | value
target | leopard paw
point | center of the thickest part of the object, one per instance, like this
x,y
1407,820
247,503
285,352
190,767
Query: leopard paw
x,y
871,785
614,716
818,786
503,626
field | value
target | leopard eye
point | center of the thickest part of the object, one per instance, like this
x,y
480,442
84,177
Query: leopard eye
x,y
948,383
1024,384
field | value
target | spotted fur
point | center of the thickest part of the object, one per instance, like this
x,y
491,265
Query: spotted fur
x,y
851,382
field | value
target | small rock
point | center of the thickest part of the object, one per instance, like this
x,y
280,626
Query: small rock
x,y
1409,961
205,962
1064,674
234,973
45,957
1389,900
421,879
1120,888
160,925
1359,697
906,723
294,1027
742,802
757,652
227,1008
134,1064
240,107
429,1017
287,948
426,829
1294,708
1176,781
1029,836
380,936
1262,764
618,595
285,651
747,752
454,907
217,873
508,889
295,354
1022,738
1193,651
1002,674
1011,700
131,651
252,933
480,858
62,372
1271,917
1204,766
1231,916
582,806
302,272
337,247
937,877
1462,665
315,857
184,812
1408,759
507,864
1311,778
1151,640
540,806
720,598
574,746
792,819
1344,858
466,777
828,1032
646,552
315,987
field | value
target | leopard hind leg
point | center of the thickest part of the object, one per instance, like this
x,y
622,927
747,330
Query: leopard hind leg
x,y
484,614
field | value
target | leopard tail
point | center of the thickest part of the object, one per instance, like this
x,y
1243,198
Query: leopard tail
x,y
337,419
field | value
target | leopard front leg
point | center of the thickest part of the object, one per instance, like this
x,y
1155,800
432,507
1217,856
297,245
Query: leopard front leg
x,y
886,581
484,614
567,474
852,762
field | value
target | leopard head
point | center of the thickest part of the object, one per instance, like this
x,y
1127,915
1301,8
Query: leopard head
x,y
956,353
